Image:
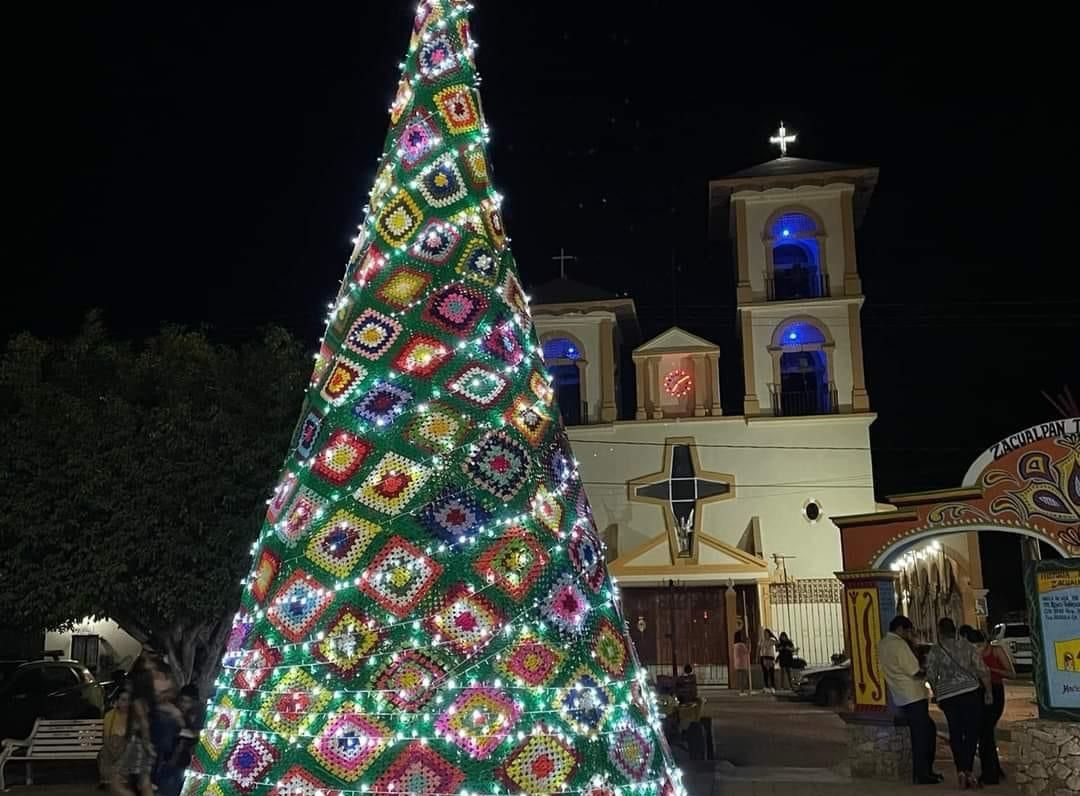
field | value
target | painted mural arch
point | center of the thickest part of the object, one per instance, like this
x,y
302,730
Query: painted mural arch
x,y
1027,484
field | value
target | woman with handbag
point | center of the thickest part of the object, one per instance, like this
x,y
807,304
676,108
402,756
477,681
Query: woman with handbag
x,y
961,685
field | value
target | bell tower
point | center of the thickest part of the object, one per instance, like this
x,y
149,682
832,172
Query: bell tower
x,y
793,222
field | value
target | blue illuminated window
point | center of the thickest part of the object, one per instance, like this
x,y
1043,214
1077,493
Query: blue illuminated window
x,y
801,333
793,225
561,348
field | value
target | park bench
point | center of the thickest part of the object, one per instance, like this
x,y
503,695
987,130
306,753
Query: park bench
x,y
64,739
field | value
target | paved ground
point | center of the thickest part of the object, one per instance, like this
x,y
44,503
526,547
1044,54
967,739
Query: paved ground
x,y
770,747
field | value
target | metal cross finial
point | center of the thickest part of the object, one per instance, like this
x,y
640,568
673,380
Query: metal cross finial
x,y
562,258
782,139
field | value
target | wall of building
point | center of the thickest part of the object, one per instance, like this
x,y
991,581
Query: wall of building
x,y
119,645
824,201
778,464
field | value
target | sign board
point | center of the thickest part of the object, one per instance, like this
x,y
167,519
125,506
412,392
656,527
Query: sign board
x,y
1053,593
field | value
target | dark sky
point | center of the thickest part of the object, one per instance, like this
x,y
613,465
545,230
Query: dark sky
x,y
196,163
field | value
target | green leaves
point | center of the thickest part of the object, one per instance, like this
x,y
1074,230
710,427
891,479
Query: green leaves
x,y
134,475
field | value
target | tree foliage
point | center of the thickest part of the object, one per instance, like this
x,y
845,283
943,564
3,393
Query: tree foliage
x,y
134,479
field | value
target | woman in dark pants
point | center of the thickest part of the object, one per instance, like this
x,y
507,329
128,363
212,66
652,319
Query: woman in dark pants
x,y
997,661
961,685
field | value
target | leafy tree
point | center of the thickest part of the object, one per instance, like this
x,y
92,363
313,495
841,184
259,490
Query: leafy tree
x,y
134,478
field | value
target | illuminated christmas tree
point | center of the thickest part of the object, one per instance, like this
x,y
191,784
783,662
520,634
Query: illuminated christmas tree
x,y
429,610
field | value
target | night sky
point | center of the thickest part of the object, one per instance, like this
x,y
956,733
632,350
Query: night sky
x,y
201,164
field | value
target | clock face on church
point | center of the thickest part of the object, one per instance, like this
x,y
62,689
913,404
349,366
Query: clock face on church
x,y
678,383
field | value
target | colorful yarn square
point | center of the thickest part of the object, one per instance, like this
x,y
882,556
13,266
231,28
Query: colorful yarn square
x,y
478,721
338,545
348,641
456,308
283,492
418,138
566,606
441,183
476,166
255,666
437,58
392,484
344,376
503,343
265,571
547,508
479,263
630,750
307,433
526,416
403,287
436,243
493,222
420,771
587,556
499,464
250,760
341,457
584,703
513,562
382,404
298,605
610,649
400,577
399,220
514,296
541,764
293,703
437,428
478,385
466,621
422,356
409,682
306,507
372,334
531,661
349,743
458,109
453,516
219,724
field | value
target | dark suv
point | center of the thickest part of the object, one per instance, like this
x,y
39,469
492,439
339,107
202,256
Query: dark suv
x,y
48,689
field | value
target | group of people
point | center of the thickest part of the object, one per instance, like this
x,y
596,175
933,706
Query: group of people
x,y
966,675
773,653
150,732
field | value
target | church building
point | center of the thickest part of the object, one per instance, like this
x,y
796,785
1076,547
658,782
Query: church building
x,y
719,521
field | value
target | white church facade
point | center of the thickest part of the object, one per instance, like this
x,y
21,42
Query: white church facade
x,y
719,521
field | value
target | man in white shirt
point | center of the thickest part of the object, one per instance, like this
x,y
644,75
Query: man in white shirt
x,y
907,687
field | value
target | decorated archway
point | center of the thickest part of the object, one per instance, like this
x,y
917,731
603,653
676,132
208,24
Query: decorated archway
x,y
1028,484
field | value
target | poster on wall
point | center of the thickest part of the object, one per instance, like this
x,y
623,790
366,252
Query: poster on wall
x,y
1053,589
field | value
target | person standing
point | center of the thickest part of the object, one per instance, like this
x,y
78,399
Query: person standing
x,y
998,663
907,688
961,684
114,738
741,663
767,656
785,652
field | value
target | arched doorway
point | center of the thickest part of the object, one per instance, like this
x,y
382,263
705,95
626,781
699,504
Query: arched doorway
x,y
1027,484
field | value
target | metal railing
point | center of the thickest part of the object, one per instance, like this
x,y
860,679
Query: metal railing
x,y
795,284
796,403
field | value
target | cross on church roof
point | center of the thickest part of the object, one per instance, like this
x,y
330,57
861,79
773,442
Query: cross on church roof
x,y
782,139
562,257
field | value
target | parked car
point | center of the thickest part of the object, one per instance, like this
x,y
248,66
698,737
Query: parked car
x,y
48,689
1015,639
828,686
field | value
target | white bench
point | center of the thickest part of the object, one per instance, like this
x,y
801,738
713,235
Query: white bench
x,y
65,739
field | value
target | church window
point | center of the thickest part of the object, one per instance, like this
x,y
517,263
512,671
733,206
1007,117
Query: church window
x,y
804,384
812,510
796,258
563,358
